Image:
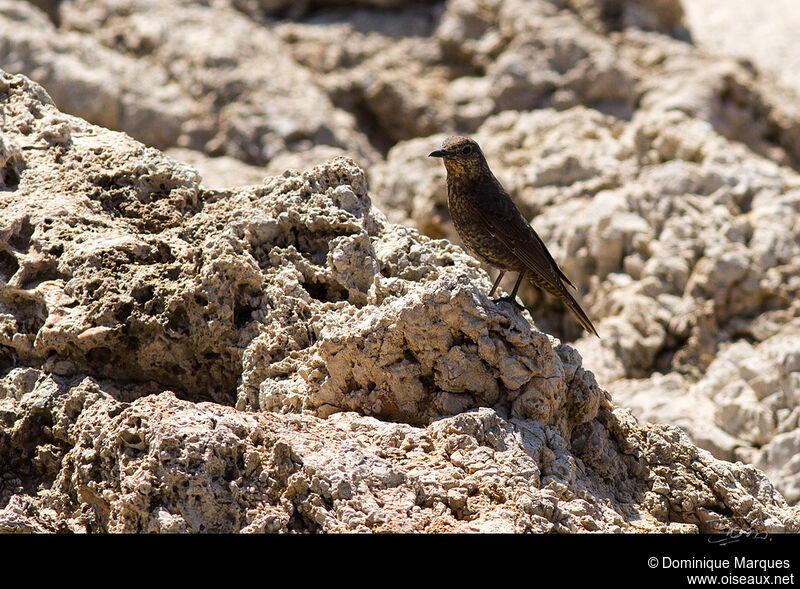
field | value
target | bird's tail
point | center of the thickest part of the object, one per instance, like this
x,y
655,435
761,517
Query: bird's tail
x,y
564,295
576,309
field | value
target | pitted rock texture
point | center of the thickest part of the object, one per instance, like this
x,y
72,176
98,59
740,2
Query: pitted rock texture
x,y
661,175
438,351
684,242
98,276
281,358
163,465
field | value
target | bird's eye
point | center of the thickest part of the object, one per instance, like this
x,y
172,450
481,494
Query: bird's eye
x,y
466,150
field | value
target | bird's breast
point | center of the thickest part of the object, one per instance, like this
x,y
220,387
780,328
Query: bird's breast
x,y
463,203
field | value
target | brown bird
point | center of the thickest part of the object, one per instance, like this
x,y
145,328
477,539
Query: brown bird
x,y
494,230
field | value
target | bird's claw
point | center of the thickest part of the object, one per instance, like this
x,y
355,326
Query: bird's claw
x,y
511,300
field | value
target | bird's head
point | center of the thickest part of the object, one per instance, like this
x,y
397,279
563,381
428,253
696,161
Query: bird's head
x,y
461,155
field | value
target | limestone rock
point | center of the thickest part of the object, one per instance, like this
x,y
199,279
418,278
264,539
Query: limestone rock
x,y
219,172
92,81
376,387
743,408
762,33
247,107
176,83
160,464
662,176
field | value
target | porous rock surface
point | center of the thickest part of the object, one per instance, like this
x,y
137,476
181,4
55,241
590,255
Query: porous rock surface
x,y
280,357
663,178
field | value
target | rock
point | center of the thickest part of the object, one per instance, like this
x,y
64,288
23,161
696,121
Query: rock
x,y
661,175
238,114
779,459
380,66
762,33
280,358
177,83
294,9
436,352
92,81
82,290
658,15
743,408
161,464
218,172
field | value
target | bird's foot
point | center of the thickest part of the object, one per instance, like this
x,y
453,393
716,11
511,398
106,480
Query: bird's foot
x,y
512,300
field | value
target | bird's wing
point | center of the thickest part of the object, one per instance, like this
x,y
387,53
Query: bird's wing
x,y
507,224
504,221
549,257
510,228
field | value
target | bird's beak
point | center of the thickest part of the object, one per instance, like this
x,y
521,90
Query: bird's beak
x,y
438,153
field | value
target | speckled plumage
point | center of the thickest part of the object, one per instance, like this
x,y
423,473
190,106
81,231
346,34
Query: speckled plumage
x,y
493,229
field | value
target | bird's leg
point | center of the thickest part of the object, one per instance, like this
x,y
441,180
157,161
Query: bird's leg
x,y
513,295
512,298
496,282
